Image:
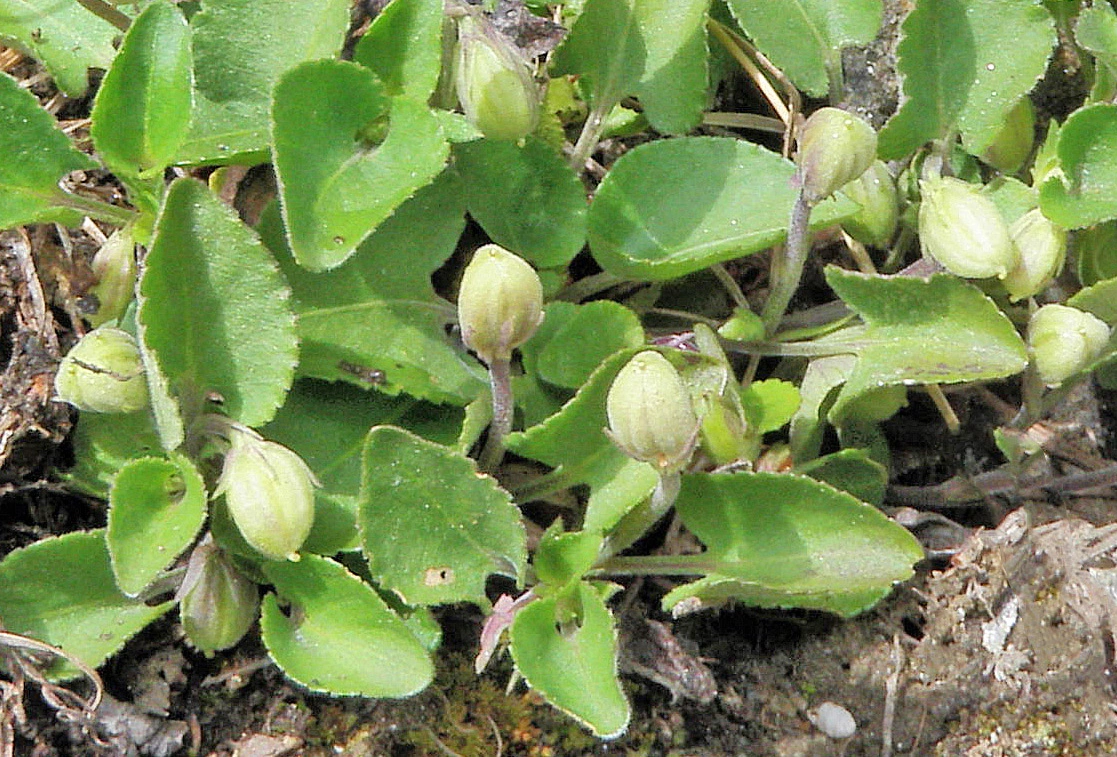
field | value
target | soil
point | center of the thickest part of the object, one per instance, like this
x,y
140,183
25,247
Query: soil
x,y
1003,644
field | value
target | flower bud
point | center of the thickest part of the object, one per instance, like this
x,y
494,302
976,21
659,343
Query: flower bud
x,y
1014,141
218,603
1063,340
835,147
1042,247
495,85
649,412
963,230
500,303
269,491
103,373
875,192
115,268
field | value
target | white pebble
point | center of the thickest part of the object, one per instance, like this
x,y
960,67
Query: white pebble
x,y
833,720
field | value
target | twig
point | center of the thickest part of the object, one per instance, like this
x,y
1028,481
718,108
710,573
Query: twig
x,y
890,688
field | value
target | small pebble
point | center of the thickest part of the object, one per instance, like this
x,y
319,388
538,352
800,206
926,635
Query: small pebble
x,y
833,720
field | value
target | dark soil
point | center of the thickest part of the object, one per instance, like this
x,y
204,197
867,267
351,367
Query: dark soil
x,y
1002,645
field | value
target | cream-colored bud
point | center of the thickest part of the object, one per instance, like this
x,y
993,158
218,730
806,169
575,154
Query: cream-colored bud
x,y
1063,340
103,373
835,147
269,491
220,604
1042,247
494,82
650,414
500,303
963,230
875,191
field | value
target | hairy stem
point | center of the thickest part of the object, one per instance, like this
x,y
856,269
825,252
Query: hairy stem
x,y
637,522
500,382
787,269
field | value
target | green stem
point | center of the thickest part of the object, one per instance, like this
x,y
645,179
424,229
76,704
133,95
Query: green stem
x,y
657,565
500,382
102,211
587,142
589,286
637,522
539,488
730,285
787,269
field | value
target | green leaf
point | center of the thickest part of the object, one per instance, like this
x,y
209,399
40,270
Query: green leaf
x,y
235,71
965,63
432,528
215,308
1096,251
103,444
784,540
1096,31
1099,299
156,509
326,424
66,37
338,635
1084,189
770,404
563,558
921,331
403,47
378,315
655,49
804,38
142,110
526,198
852,471
61,591
585,337
675,206
574,668
335,185
36,156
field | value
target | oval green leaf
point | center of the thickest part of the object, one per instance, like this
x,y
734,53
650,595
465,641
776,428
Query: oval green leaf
x,y
333,633
1084,191
784,540
346,157
574,668
433,528
525,197
215,310
142,110
61,591
675,206
36,155
156,508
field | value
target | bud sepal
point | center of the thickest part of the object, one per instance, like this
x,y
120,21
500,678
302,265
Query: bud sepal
x,y
835,147
1063,340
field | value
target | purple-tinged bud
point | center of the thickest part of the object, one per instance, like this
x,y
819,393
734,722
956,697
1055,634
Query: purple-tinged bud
x,y
103,373
963,230
500,303
650,414
1042,247
1063,340
218,603
835,147
269,491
